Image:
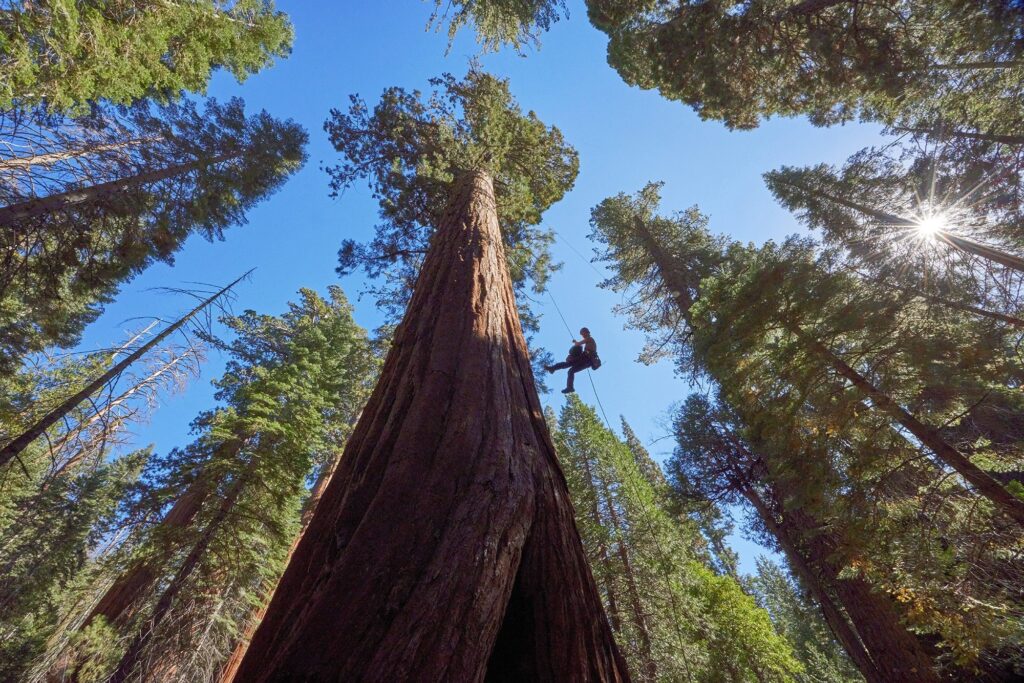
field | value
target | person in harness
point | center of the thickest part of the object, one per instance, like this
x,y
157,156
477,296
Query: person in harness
x,y
582,356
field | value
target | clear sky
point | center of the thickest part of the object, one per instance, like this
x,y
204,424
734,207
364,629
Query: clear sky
x,y
625,138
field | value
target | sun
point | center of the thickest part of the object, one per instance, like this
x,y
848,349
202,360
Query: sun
x,y
931,225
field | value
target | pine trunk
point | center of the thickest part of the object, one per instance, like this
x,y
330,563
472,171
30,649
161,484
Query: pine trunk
x,y
929,437
942,134
602,550
130,661
308,510
49,159
635,606
834,617
120,601
445,547
32,208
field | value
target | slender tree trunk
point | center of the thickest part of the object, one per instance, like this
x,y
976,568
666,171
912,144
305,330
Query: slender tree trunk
x,y
64,200
102,414
635,606
834,617
602,549
17,163
21,442
896,656
131,657
445,546
928,436
942,301
119,602
308,511
964,244
964,135
983,250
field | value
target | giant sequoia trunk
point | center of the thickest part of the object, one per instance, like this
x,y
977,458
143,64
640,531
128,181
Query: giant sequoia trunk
x,y
444,547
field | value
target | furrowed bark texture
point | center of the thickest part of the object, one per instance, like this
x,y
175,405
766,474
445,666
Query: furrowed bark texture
x,y
445,546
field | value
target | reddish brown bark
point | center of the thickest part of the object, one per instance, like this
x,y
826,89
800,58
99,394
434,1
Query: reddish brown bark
x,y
834,617
445,546
308,510
120,600
633,592
127,666
602,551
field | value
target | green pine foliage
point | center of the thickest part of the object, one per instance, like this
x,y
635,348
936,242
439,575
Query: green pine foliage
x,y
187,170
749,319
500,22
46,548
289,398
673,616
798,620
66,54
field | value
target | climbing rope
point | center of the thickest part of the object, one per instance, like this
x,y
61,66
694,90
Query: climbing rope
x,y
645,511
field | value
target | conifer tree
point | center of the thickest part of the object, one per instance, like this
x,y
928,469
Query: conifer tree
x,y
798,620
45,550
66,54
832,433
197,172
20,441
677,620
449,486
833,60
292,389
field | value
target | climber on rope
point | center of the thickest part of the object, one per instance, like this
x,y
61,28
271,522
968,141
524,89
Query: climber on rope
x,y
582,356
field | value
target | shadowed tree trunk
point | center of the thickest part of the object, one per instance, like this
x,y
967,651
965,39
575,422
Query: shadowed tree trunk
x,y
632,591
133,655
120,600
445,546
308,511
834,617
602,548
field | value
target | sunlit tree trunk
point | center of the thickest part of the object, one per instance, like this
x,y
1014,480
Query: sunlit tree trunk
x,y
445,546
928,436
39,206
50,158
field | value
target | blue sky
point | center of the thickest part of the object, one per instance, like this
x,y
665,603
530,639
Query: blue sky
x,y
625,138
